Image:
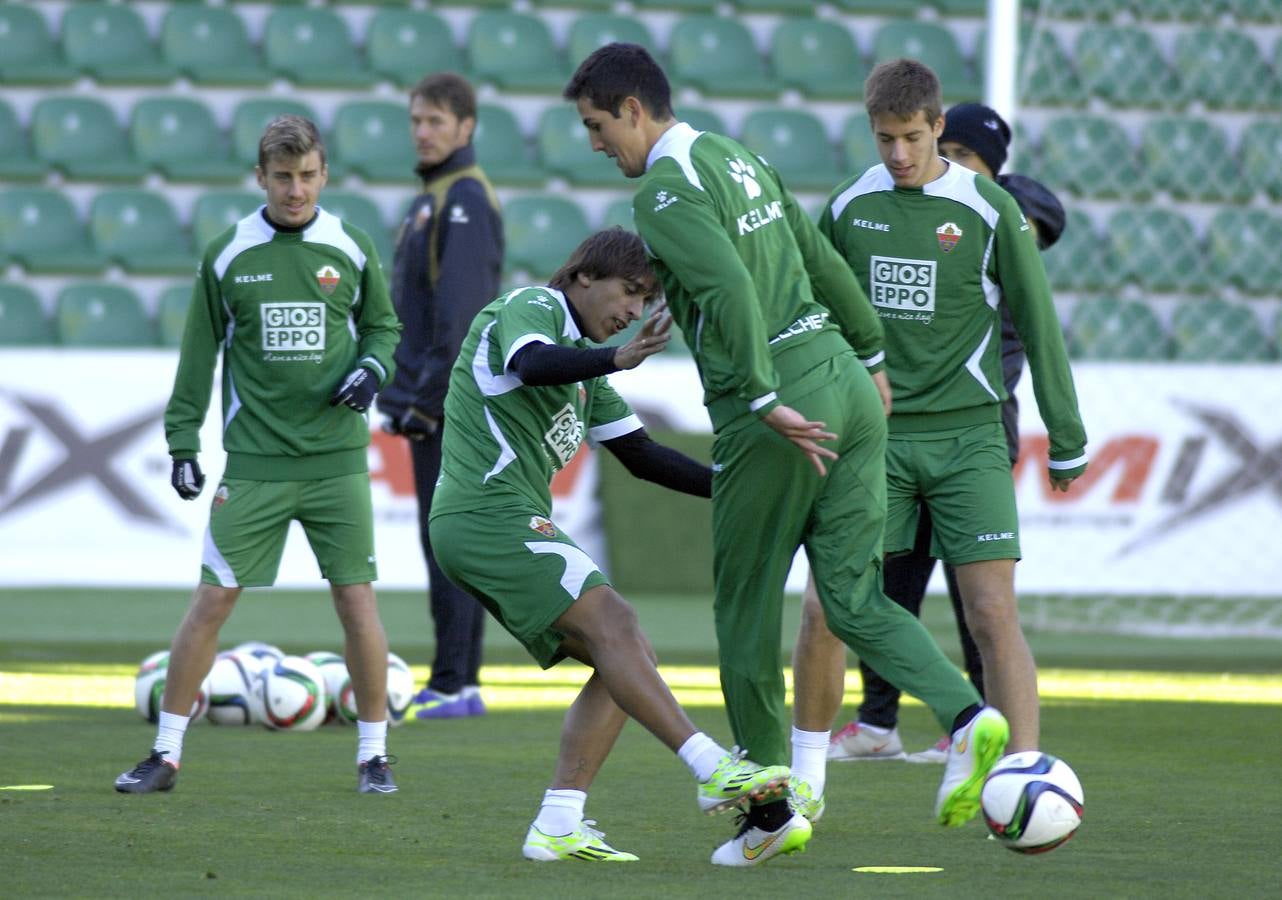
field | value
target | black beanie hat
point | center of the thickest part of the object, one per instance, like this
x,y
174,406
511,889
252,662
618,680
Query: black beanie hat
x,y
980,128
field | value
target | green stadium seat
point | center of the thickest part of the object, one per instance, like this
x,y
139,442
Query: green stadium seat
x,y
372,138
576,4
80,136
216,211
819,58
1225,69
1046,76
515,52
111,43
1208,329
905,8
502,149
403,45
16,160
934,45
1261,151
140,230
795,143
566,151
1096,10
701,118
28,54
1091,156
1080,261
1124,67
718,56
39,228
362,212
1157,249
171,314
313,48
787,7
1242,250
102,315
858,148
1190,159
1106,328
593,30
541,231
689,6
22,319
210,45
1180,10
1267,11
618,212
178,135
252,116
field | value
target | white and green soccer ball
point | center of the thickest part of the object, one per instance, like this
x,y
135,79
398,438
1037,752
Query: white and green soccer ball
x,y
231,689
1032,802
400,689
334,669
292,694
149,689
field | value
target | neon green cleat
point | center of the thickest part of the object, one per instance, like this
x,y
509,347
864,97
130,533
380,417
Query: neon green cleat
x,y
737,780
975,749
753,845
802,800
584,842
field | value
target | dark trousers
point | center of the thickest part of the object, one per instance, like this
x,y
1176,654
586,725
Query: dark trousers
x,y
458,618
906,577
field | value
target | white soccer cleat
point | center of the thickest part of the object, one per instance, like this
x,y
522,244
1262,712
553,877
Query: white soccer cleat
x,y
976,748
859,742
803,800
752,846
937,753
584,842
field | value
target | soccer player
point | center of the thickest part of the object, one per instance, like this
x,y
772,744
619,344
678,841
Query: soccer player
x,y
523,393
744,269
939,248
449,256
976,137
295,299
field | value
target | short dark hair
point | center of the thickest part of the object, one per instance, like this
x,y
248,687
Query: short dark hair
x,y
289,137
612,253
448,90
617,71
901,87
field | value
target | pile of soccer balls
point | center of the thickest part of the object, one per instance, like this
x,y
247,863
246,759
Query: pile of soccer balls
x,y
1032,802
257,683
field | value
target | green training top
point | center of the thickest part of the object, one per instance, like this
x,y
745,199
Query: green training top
x,y
759,294
294,313
506,439
936,262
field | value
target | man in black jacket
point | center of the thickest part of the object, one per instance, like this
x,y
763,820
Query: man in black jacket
x,y
449,255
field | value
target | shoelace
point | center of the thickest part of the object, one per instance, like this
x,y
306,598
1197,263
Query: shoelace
x,y
377,766
155,759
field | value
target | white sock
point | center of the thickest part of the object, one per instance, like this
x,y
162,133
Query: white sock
x,y
810,756
701,754
875,729
561,812
372,740
169,736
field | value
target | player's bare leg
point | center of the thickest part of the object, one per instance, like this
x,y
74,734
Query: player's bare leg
x,y
591,727
364,648
818,667
191,653
1010,675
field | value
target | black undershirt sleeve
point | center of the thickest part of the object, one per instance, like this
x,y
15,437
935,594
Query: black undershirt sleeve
x,y
540,364
652,461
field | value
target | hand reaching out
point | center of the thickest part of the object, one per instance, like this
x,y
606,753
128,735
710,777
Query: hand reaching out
x,y
804,433
651,339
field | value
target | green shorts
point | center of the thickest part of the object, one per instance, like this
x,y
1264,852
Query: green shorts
x,y
522,568
963,476
249,520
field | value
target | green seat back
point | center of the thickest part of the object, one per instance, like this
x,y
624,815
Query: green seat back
x,y
26,44
216,211
1123,66
819,58
514,51
1181,10
1224,69
795,143
1091,156
38,220
1261,152
123,221
1106,328
253,115
501,148
102,315
311,45
1045,75
593,30
111,42
1208,329
171,314
175,130
701,118
361,211
16,160
858,147
210,44
718,56
1190,159
1157,249
72,130
373,137
934,45
1242,250
22,318
1079,261
541,231
565,150
406,44
618,212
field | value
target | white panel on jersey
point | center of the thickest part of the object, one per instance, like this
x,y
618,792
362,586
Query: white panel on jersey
x,y
250,232
611,430
972,363
328,229
875,179
523,341
677,143
578,565
958,184
506,453
570,330
491,385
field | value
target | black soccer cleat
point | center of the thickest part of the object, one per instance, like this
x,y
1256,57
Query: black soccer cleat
x,y
155,773
374,776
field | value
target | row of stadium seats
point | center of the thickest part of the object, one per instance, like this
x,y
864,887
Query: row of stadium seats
x,y
314,48
1089,156
142,232
93,314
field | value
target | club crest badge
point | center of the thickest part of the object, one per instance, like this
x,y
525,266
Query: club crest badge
x,y
948,234
327,277
543,526
221,496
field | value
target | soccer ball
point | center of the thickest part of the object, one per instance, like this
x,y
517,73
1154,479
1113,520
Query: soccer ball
x,y
1032,802
231,690
335,672
292,693
264,653
346,702
400,689
149,689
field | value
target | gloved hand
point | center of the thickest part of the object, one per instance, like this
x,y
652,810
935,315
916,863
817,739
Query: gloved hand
x,y
357,389
417,425
187,478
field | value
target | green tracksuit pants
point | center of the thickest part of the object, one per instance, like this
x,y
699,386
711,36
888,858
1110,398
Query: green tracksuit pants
x,y
768,500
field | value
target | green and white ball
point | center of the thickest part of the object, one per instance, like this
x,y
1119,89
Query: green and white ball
x,y
292,694
334,669
400,689
149,689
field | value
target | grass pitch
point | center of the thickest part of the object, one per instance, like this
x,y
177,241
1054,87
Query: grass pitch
x,y
1179,770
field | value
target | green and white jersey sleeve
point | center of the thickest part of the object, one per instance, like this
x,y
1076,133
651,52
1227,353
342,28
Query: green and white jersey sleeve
x,y
505,439
293,313
936,262
740,264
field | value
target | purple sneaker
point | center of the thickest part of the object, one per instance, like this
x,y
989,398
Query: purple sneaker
x,y
475,705
435,705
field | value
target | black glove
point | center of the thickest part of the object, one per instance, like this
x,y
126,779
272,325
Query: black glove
x,y
187,478
357,390
417,425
